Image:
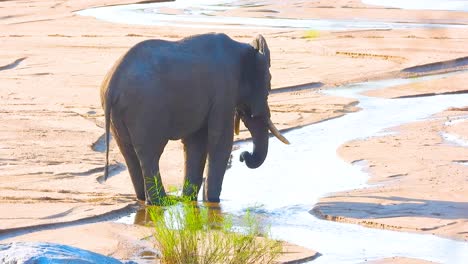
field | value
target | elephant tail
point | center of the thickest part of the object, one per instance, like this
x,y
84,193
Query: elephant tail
x,y
106,99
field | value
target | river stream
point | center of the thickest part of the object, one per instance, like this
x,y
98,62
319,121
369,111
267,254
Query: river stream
x,y
208,14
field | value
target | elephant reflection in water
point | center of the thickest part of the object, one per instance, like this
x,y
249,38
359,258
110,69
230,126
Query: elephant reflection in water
x,y
196,89
148,215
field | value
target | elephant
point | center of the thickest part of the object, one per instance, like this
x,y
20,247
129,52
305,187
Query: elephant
x,y
196,89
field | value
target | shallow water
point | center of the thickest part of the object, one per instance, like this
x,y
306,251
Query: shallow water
x,y
199,14
294,177
454,139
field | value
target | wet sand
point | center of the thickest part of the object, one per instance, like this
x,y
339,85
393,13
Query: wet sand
x,y
53,61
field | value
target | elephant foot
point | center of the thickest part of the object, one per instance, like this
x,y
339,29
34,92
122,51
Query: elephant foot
x,y
190,192
141,198
212,200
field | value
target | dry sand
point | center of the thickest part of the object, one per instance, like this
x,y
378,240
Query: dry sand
x,y
52,62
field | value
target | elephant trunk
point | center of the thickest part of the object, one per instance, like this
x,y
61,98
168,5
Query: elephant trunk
x,y
258,127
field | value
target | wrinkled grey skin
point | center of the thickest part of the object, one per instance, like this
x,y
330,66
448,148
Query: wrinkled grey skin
x,y
188,89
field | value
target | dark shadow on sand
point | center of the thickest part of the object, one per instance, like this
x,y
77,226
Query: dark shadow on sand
x,y
297,88
438,66
109,216
12,65
430,94
402,207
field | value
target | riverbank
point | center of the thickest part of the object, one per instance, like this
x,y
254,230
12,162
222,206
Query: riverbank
x,y
53,61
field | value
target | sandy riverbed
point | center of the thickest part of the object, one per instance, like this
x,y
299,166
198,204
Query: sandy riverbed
x,y
53,61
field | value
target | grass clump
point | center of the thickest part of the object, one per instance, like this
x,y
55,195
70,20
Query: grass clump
x,y
186,233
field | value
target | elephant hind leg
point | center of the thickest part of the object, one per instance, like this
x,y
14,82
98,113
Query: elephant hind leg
x,y
149,145
195,152
122,137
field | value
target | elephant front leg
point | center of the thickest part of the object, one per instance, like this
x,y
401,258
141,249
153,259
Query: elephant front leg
x,y
218,156
195,152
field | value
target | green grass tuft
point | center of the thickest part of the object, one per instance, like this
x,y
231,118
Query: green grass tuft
x,y
187,233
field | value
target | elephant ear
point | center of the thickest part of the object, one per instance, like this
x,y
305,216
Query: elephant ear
x,y
259,43
261,78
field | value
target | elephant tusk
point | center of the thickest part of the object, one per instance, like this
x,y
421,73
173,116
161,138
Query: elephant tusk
x,y
236,123
277,134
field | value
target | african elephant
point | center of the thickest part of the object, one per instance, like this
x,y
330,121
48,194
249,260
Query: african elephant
x,y
191,89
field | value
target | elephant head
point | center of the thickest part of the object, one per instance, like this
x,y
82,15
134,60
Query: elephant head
x,y
253,108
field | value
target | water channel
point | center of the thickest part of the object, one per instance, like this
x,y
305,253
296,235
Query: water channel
x,y
202,14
